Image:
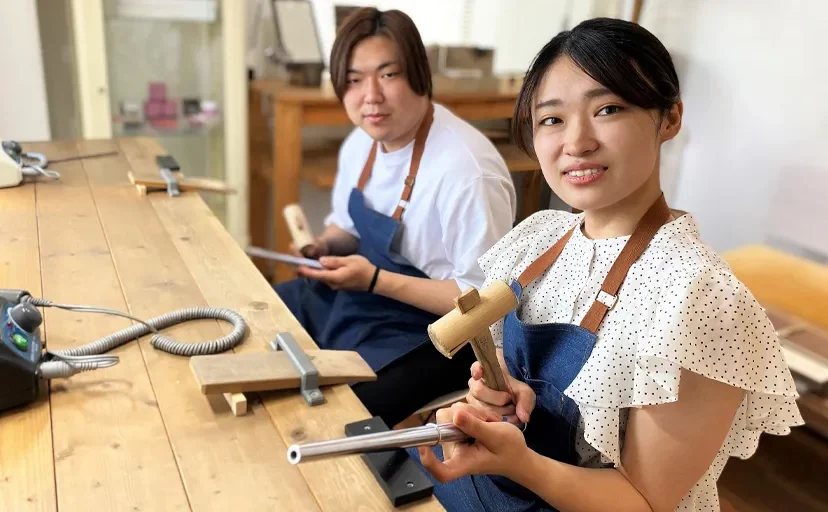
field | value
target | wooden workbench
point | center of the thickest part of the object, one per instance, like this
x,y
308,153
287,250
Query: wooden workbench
x,y
140,436
278,163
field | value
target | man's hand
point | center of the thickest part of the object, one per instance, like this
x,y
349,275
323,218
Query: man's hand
x,y
313,251
516,404
343,272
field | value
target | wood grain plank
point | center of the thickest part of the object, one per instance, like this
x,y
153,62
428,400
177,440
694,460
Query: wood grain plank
x,y
27,477
111,448
783,281
242,373
338,484
224,460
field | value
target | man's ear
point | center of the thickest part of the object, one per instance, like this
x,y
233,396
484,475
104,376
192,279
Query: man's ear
x,y
671,122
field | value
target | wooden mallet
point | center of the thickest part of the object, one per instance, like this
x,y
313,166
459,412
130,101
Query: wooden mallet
x,y
299,227
474,312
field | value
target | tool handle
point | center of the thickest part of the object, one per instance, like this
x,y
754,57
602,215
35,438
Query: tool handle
x,y
484,351
299,226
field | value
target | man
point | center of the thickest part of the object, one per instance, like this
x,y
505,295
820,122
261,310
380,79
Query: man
x,y
419,195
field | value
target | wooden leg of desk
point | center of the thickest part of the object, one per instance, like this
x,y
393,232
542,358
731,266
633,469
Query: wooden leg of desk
x,y
260,163
287,164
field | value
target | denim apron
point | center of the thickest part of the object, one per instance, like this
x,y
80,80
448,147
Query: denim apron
x,y
380,329
547,357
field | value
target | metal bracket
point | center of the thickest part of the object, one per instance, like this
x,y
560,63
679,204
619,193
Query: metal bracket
x,y
172,184
308,373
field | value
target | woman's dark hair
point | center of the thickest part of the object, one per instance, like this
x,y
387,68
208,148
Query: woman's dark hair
x,y
394,25
620,55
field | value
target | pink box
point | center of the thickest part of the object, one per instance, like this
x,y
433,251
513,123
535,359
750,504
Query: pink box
x,y
157,91
170,109
153,109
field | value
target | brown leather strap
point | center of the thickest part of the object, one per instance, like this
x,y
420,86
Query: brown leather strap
x,y
648,226
366,169
545,261
416,157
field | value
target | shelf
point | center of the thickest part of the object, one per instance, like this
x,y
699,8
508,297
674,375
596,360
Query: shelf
x,y
319,164
184,129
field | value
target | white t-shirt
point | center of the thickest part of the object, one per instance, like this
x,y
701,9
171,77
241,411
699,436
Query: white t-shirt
x,y
463,200
679,307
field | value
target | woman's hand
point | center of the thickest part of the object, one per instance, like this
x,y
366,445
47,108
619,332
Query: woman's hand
x,y
343,272
515,404
497,449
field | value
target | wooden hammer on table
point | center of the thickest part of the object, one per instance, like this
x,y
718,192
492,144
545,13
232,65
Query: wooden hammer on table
x,y
470,319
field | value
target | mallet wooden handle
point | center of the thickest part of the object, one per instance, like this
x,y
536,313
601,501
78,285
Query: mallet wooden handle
x,y
299,226
484,351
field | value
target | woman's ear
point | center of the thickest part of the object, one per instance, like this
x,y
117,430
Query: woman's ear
x,y
671,122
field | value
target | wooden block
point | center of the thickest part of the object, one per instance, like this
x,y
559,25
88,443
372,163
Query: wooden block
x,y
237,402
184,184
237,373
467,300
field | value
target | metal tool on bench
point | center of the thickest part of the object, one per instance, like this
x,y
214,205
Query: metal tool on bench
x,y
171,180
287,367
25,364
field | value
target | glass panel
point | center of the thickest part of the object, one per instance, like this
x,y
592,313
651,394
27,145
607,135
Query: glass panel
x,y
165,80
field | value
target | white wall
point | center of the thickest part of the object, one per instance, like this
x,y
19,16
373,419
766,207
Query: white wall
x,y
756,121
24,115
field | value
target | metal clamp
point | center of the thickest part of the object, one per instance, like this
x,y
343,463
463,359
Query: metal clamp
x,y
172,183
308,374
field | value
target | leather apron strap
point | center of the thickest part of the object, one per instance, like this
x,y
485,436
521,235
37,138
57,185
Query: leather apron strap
x,y
417,155
648,226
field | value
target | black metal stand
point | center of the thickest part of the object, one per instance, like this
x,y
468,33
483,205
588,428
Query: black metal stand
x,y
403,480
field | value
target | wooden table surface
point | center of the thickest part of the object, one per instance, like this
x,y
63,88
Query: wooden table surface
x,y
140,436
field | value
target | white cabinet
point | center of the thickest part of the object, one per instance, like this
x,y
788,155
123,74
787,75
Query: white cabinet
x,y
173,70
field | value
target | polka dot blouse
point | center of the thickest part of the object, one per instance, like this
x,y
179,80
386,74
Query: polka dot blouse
x,y
679,307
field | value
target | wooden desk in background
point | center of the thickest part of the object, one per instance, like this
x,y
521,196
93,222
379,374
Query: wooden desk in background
x,y
279,163
787,472
141,435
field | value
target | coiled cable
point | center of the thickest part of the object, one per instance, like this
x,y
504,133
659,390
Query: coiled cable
x,y
85,358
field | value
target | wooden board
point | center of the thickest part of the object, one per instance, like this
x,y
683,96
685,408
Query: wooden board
x,y
244,462
237,373
337,484
783,281
27,479
111,447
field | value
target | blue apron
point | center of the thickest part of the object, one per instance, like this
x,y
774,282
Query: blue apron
x,y
547,357
380,329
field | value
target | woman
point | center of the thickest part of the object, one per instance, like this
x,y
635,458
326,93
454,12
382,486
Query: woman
x,y
636,362
419,196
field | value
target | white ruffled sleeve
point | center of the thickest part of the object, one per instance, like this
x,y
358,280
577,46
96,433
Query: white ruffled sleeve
x,y
707,322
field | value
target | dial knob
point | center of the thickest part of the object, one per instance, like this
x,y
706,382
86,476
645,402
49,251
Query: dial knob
x,y
26,316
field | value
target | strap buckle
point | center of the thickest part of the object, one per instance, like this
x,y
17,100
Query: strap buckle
x,y
403,204
606,299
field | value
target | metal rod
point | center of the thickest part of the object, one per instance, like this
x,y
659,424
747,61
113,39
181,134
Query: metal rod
x,y
427,435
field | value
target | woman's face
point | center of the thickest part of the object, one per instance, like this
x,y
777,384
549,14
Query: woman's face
x,y
594,148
